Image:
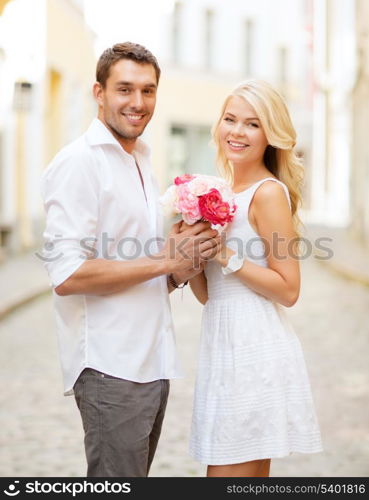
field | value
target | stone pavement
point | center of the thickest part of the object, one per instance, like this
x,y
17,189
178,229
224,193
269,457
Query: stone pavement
x,y
349,258
40,429
22,279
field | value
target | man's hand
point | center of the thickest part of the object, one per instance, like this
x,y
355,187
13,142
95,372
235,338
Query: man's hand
x,y
183,276
216,250
185,251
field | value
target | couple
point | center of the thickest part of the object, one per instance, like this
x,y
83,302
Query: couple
x,y
117,347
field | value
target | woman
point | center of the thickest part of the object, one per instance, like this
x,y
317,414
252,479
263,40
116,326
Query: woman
x,y
252,397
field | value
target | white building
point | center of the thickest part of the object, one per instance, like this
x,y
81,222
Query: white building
x,y
359,179
205,47
335,74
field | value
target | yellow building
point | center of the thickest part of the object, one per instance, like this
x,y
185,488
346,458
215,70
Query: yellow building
x,y
2,5
70,68
46,102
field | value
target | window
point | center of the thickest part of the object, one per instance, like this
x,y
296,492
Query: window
x,y
209,38
178,158
282,66
190,151
22,97
248,46
176,32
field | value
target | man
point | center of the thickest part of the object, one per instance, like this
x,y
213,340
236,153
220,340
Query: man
x,y
110,272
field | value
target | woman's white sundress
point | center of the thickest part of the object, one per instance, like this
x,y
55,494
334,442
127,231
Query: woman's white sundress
x,y
252,395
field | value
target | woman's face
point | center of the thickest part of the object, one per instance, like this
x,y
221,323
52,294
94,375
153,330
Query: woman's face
x,y
240,133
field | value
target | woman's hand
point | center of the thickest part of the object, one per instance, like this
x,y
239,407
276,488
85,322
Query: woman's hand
x,y
224,254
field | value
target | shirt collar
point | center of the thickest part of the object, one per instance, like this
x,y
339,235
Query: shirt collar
x,y
98,134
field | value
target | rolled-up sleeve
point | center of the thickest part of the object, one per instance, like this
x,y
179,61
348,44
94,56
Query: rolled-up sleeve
x,y
70,196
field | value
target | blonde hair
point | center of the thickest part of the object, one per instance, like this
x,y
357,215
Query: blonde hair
x,y
279,157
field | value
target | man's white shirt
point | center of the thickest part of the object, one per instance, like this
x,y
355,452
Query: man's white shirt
x,y
96,207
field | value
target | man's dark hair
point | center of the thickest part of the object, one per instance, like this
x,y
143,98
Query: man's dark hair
x,y
126,50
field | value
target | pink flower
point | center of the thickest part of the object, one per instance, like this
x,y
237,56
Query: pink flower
x,y
183,179
187,204
200,185
199,197
214,209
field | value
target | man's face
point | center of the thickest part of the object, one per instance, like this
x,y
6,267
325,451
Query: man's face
x,y
127,102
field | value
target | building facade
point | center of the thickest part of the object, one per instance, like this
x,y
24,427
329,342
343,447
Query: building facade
x,y
359,180
340,169
334,79
206,48
314,51
45,102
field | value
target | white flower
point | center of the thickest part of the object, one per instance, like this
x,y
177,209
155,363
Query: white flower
x,y
199,185
168,201
202,184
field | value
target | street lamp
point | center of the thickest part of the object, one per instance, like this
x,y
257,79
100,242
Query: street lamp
x,y
22,104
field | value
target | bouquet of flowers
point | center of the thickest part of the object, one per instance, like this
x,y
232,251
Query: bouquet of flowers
x,y
200,197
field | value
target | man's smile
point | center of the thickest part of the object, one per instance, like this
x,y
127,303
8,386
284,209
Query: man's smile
x,y
134,117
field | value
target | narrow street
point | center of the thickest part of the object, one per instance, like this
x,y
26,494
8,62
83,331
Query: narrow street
x,y
41,432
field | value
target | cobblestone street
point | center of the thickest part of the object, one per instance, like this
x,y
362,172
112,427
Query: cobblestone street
x,y
41,432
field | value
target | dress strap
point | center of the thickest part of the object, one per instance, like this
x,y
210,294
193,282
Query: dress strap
x,y
259,183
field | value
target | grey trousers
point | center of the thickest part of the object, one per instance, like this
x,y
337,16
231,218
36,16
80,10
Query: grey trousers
x,y
122,422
